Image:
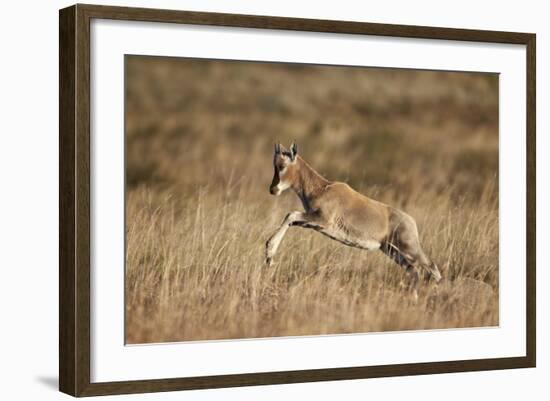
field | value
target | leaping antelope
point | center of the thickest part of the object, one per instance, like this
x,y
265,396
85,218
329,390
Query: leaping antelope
x,y
339,212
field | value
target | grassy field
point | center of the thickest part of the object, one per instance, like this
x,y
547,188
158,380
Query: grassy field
x,y
199,143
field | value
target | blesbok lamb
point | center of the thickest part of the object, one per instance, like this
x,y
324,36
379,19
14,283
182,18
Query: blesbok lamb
x,y
339,212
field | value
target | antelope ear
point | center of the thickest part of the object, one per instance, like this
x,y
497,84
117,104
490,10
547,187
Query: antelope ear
x,y
277,148
293,150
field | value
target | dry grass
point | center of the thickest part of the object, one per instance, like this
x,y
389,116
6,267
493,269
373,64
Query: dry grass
x,y
199,148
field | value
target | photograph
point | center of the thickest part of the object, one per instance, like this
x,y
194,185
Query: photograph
x,y
271,199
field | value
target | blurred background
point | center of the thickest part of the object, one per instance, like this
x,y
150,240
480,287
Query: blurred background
x,y
199,145
369,127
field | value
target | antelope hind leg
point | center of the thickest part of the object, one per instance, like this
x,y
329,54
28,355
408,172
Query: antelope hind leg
x,y
406,262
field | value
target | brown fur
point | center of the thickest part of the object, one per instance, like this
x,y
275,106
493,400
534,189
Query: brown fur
x,y
345,215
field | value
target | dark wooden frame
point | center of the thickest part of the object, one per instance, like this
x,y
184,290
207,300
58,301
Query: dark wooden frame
x,y
74,200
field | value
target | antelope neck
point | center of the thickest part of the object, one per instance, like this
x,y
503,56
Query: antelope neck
x,y
309,183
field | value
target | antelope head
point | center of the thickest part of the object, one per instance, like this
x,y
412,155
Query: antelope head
x,y
285,168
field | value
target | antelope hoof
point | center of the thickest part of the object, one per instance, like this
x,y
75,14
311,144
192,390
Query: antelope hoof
x,y
269,252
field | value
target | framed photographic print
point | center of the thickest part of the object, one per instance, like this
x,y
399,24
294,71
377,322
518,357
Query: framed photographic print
x,y
250,200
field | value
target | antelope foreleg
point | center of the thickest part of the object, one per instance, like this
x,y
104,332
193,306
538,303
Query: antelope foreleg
x,y
272,244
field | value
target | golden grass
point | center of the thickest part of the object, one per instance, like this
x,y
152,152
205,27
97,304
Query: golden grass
x,y
199,147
